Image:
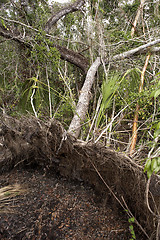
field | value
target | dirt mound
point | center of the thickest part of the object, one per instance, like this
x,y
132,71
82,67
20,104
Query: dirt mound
x,y
113,175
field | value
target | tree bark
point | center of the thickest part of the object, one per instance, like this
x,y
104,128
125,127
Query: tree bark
x,y
66,54
135,120
74,58
83,102
69,9
139,12
80,61
141,49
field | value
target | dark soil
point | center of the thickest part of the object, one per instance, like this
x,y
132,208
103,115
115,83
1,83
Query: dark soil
x,y
55,208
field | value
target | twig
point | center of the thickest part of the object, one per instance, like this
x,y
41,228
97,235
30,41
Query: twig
x,y
131,215
112,121
121,204
49,93
39,31
95,115
147,202
64,138
68,87
155,215
34,90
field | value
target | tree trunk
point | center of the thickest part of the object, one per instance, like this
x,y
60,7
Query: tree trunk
x,y
83,102
58,15
66,54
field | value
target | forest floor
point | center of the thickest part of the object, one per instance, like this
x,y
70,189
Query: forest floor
x,y
46,206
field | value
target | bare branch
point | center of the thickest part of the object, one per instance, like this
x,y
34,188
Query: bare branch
x,y
74,58
20,23
83,102
69,9
66,54
139,12
39,31
141,49
9,35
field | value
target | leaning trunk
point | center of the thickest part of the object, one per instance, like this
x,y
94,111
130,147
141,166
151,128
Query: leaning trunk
x,y
83,102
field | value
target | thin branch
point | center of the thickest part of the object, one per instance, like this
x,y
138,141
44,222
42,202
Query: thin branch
x,y
135,121
117,199
95,115
65,53
131,215
69,55
39,31
154,214
68,87
112,122
49,93
32,98
20,23
140,9
141,49
110,128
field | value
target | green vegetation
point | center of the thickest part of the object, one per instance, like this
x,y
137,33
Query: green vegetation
x,y
35,79
131,228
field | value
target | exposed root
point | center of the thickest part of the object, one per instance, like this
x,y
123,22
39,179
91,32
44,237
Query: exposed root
x,y
30,141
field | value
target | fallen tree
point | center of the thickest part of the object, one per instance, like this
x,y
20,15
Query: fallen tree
x,y
30,141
